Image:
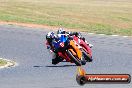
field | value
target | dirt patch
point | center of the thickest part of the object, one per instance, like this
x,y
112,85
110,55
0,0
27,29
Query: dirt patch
x,y
46,27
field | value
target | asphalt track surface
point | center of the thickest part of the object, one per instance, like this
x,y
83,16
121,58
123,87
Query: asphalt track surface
x,y
34,70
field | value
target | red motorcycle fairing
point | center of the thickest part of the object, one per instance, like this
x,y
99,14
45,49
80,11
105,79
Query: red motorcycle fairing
x,y
64,55
83,45
86,47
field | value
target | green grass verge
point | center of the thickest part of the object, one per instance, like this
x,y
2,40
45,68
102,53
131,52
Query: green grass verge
x,y
3,62
97,16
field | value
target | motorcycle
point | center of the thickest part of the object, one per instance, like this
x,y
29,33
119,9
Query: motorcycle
x,y
68,50
86,50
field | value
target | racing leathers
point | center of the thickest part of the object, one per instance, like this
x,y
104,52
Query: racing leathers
x,y
55,58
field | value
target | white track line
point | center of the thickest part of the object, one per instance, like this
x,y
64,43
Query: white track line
x,y
108,35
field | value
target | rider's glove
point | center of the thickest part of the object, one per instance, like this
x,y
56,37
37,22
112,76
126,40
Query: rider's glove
x,y
70,37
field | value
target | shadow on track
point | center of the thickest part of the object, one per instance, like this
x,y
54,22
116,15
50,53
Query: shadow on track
x,y
61,66
50,66
36,66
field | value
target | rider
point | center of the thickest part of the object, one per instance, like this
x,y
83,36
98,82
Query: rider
x,y
50,37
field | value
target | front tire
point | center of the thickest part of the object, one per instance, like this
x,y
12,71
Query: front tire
x,y
86,56
73,58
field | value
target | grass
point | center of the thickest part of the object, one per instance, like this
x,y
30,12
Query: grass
x,y
97,16
2,62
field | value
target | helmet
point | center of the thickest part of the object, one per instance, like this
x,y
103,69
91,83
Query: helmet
x,y
79,35
61,31
50,35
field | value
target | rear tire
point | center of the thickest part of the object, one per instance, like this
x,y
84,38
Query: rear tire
x,y
83,62
73,58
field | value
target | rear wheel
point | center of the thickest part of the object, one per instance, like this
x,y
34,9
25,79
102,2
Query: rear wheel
x,y
73,58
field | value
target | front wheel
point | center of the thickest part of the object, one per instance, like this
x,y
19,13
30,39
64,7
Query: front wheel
x,y
87,56
73,58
